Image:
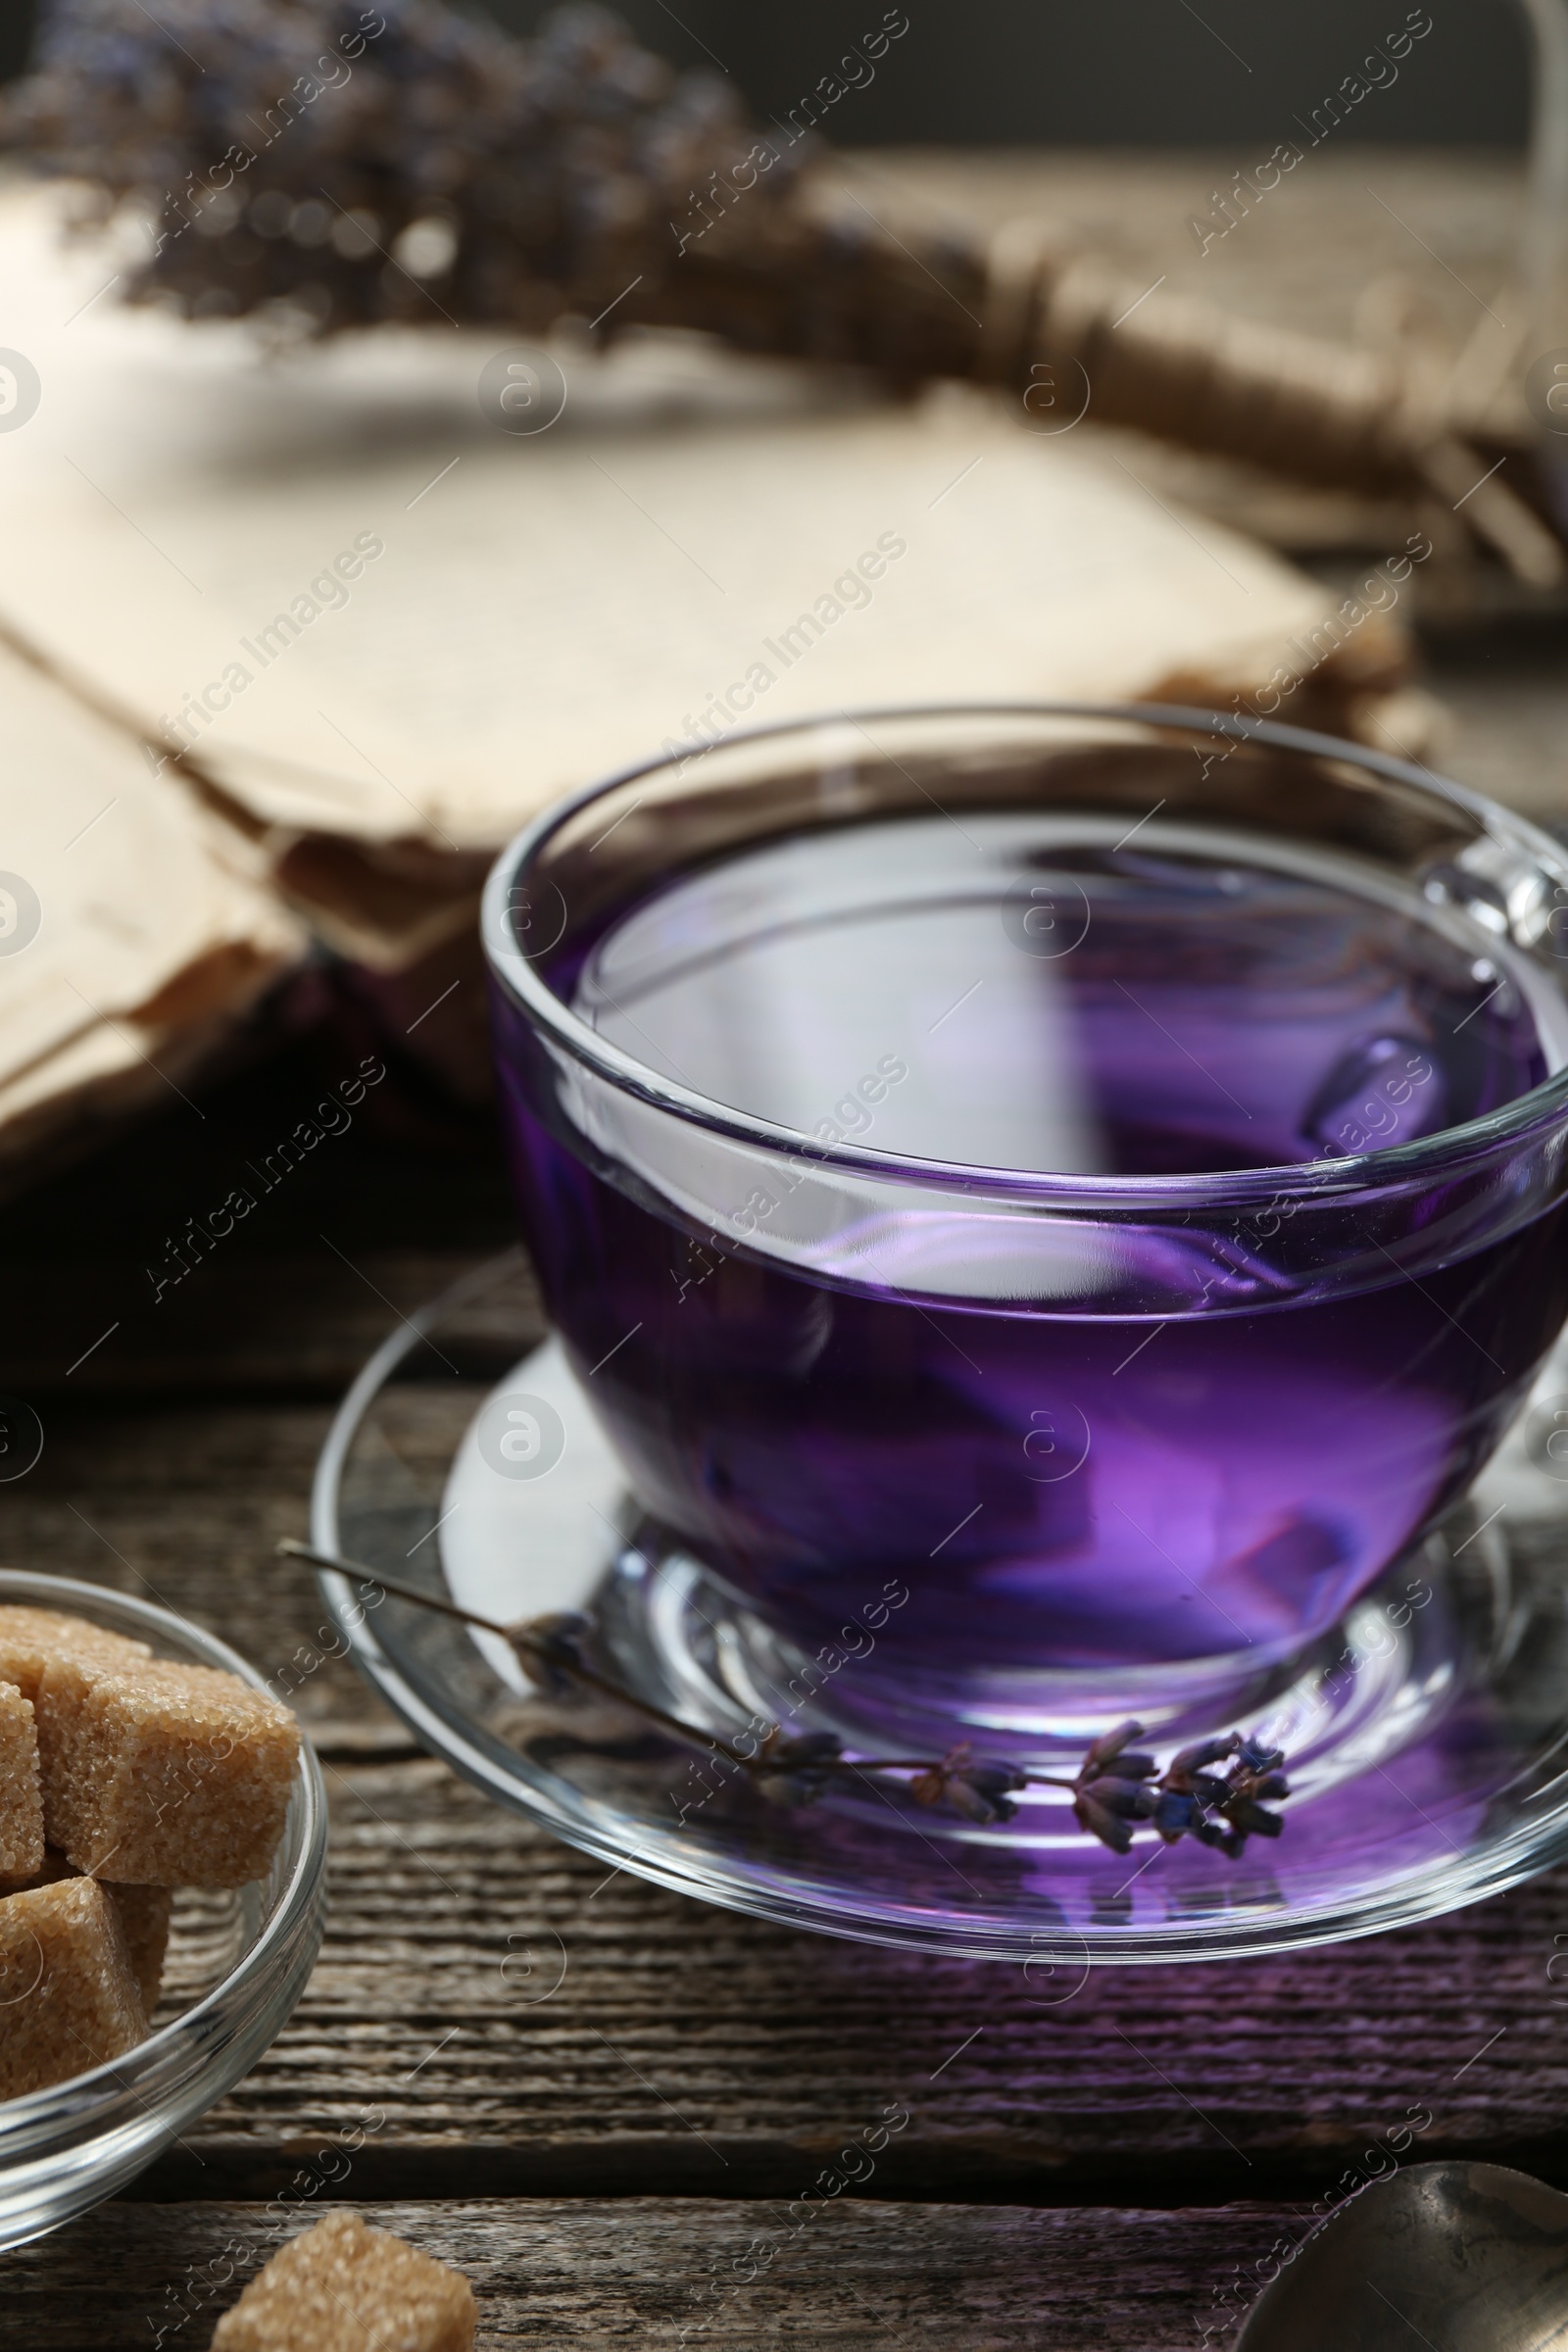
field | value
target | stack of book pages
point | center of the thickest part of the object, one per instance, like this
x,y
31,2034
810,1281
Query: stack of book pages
x,y
320,634
136,926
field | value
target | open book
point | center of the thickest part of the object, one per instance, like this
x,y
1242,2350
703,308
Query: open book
x,y
324,596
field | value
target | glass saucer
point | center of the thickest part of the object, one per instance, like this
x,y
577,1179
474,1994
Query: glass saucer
x,y
1427,1734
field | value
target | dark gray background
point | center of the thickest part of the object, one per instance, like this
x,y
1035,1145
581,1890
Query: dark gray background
x,y
1144,73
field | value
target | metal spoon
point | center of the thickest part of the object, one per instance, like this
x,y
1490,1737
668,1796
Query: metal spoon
x,y
1459,2257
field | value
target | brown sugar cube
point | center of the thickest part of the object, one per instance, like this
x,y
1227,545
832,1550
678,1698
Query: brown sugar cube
x,y
344,2288
50,1870
21,1793
31,1637
145,1915
31,1641
67,1992
173,1776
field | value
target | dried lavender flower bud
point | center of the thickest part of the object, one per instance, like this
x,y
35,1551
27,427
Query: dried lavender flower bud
x,y
1248,1816
1176,1813
791,1789
930,1786
981,1790
1130,1798
993,1778
1109,1745
1107,1826
548,1649
1206,1787
1188,1760
802,1747
796,1766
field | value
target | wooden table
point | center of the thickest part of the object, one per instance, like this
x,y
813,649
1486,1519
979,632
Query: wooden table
x,y
617,2162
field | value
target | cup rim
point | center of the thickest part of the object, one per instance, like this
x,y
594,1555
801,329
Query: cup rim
x,y
160,2069
1398,1165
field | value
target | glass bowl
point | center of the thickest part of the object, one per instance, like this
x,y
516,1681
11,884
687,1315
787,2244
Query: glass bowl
x,y
237,1964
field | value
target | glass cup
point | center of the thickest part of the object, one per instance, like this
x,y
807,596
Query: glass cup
x,y
1050,1203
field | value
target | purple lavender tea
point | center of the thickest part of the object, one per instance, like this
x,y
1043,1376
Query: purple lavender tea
x,y
1150,1442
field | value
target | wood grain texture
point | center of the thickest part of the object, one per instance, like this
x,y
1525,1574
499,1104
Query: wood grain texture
x,y
526,2027
715,2277
687,2048
185,1507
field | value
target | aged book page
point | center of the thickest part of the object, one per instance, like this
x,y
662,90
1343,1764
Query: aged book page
x,y
134,926
364,611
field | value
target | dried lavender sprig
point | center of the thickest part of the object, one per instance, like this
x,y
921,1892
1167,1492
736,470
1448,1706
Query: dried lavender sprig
x,y
547,1646
1114,1787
